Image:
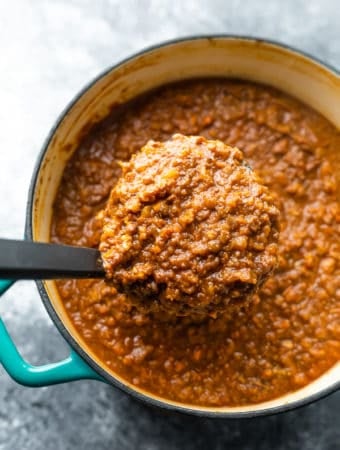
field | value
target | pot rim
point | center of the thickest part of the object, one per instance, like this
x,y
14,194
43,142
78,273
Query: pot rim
x,y
145,398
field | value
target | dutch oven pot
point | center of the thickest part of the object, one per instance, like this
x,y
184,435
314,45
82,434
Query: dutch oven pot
x,y
220,56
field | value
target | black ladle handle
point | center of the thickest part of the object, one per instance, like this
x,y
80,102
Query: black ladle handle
x,y
28,260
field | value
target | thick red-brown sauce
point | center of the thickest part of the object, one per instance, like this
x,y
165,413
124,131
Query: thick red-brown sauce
x,y
189,229
292,335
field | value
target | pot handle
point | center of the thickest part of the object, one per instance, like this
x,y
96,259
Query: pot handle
x,y
70,369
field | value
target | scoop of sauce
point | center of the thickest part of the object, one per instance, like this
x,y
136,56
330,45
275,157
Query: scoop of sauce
x,y
189,228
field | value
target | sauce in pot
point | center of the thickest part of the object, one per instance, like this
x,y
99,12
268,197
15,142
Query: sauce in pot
x,y
288,338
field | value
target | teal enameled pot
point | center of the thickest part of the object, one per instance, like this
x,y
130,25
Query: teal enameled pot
x,y
219,56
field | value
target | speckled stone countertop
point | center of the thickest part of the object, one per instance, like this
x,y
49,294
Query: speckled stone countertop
x,y
49,50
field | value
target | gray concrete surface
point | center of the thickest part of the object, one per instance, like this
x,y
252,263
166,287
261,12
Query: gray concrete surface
x,y
48,50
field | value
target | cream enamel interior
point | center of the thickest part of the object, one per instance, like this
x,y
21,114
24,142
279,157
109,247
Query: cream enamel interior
x,y
228,57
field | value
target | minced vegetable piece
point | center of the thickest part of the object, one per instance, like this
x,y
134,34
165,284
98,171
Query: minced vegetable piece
x,y
189,228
